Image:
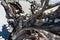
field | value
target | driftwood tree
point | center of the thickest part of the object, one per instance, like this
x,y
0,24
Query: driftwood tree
x,y
30,28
